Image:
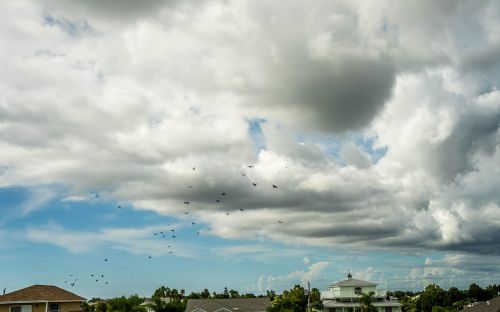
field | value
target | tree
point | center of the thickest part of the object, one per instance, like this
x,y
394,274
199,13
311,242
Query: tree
x,y
452,295
234,294
433,295
476,292
366,302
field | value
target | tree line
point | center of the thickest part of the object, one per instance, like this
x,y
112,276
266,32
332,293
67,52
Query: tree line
x,y
435,299
432,299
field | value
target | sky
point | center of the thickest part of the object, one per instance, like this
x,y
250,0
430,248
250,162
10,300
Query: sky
x,y
280,142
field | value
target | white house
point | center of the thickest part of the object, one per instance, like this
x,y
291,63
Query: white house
x,y
344,296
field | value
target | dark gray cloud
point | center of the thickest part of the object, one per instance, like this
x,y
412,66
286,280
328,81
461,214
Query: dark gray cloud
x,y
130,109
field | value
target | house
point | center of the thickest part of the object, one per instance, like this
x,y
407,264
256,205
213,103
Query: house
x,y
344,296
228,305
492,305
41,298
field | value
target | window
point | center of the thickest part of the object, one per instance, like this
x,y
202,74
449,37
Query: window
x,y
21,308
54,307
388,309
357,291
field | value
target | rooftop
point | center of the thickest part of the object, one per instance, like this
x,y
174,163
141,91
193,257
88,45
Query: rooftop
x,y
353,282
492,305
240,305
41,293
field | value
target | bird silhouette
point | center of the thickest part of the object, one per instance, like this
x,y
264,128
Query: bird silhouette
x,y
72,284
186,212
217,201
223,194
190,186
193,223
119,206
254,184
194,168
243,174
173,236
186,202
198,233
275,186
106,259
106,283
250,166
172,230
149,257
241,209
279,221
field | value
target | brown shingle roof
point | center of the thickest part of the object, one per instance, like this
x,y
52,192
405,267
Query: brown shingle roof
x,y
234,305
41,292
492,305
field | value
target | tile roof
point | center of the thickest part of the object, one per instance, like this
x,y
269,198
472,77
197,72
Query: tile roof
x,y
353,282
492,305
41,293
233,305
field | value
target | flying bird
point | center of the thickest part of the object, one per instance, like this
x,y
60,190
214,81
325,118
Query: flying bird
x,y
193,223
119,206
241,209
217,201
72,284
149,257
254,184
250,166
223,194
186,202
172,230
194,167
243,174
279,221
186,212
173,236
190,186
275,186
106,259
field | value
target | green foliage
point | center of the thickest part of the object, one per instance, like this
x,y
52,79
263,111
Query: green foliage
x,y
295,300
123,304
366,302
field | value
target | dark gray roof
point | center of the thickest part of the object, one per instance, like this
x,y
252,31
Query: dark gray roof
x,y
492,305
233,305
353,282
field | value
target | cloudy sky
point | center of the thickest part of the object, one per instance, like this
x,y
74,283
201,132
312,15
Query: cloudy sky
x,y
376,122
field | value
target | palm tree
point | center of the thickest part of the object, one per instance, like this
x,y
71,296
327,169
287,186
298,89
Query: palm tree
x,y
366,302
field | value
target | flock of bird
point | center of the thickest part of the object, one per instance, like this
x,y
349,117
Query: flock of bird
x,y
168,232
